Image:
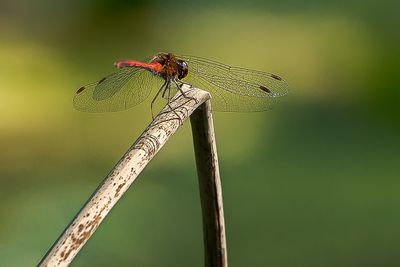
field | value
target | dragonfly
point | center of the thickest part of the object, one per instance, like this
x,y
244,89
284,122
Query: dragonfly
x,y
232,88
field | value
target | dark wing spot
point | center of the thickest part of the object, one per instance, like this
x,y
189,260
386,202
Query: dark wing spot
x,y
80,90
102,80
276,77
265,89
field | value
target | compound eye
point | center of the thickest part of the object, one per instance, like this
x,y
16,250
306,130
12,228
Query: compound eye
x,y
182,68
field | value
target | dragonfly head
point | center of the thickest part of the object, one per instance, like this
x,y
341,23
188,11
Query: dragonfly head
x,y
182,68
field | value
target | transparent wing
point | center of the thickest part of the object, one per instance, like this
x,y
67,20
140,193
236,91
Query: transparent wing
x,y
233,88
121,90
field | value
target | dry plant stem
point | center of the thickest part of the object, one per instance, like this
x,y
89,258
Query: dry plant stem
x,y
215,252
121,177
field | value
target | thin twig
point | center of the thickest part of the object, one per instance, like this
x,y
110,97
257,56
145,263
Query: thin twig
x,y
122,176
215,252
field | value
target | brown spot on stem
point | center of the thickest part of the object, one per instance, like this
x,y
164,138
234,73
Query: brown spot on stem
x,y
119,189
83,236
80,90
276,77
265,89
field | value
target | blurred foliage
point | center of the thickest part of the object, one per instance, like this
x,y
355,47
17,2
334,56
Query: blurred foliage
x,y
312,182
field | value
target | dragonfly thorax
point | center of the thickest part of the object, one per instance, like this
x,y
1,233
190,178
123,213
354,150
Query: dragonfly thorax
x,y
171,66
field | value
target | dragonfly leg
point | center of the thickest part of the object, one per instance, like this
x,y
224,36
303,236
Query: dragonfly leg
x,y
167,87
182,83
154,99
176,114
174,110
182,92
169,93
169,102
170,119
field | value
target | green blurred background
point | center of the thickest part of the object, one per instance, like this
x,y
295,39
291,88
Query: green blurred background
x,y
313,182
